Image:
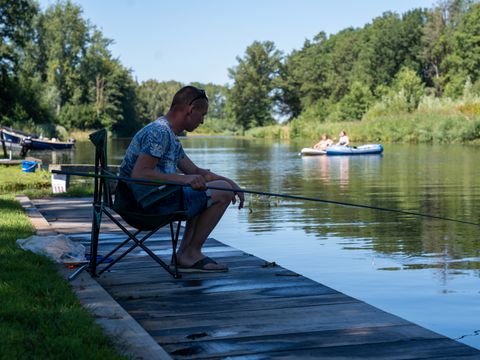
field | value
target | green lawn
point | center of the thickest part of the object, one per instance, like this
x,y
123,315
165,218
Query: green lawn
x,y
40,317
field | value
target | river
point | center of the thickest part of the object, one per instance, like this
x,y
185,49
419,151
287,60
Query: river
x,y
424,270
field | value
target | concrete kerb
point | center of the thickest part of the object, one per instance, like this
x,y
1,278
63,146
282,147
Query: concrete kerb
x,y
129,337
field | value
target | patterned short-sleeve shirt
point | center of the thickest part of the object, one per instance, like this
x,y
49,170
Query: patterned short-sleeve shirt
x,y
158,140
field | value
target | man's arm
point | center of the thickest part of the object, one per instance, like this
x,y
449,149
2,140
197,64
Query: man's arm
x,y
188,167
145,169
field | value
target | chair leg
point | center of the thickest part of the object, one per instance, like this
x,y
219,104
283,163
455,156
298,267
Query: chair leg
x,y
125,253
96,221
123,243
140,244
174,237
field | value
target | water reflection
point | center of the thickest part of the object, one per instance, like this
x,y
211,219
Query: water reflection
x,y
426,270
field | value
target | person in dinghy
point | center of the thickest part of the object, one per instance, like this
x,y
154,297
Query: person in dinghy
x,y
343,139
324,143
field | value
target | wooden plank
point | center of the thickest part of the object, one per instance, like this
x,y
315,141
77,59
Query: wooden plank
x,y
399,350
251,312
262,322
197,286
245,300
299,341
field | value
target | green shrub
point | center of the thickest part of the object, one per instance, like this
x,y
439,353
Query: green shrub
x,y
269,132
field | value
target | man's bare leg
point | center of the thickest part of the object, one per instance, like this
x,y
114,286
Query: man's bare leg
x,y
199,227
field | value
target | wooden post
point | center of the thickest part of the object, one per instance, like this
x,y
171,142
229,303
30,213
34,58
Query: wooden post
x,y
3,145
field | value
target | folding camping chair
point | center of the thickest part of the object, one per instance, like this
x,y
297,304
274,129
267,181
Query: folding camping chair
x,y
125,208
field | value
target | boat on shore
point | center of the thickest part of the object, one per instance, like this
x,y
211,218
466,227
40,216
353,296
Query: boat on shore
x,y
312,152
34,142
366,149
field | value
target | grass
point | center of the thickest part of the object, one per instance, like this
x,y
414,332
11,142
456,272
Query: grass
x,y
12,179
401,128
37,184
40,317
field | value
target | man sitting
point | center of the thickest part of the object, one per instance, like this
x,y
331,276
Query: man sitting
x,y
155,153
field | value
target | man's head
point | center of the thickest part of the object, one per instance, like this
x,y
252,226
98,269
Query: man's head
x,y
192,102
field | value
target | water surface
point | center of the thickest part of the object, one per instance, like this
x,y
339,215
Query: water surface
x,y
424,270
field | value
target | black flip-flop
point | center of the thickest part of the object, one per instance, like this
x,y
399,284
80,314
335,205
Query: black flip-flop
x,y
199,267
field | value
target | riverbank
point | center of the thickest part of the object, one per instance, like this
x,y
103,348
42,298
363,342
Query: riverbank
x,y
41,317
403,128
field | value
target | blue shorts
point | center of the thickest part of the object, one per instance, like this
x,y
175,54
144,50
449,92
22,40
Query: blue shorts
x,y
153,200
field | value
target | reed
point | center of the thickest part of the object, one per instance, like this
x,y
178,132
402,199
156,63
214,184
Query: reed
x,y
454,126
279,132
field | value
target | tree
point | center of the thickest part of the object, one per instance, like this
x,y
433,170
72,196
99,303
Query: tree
x,y
409,83
391,42
463,62
15,30
343,50
301,81
65,35
354,104
154,99
251,100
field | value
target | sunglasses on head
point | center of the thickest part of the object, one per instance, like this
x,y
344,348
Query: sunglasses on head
x,y
201,95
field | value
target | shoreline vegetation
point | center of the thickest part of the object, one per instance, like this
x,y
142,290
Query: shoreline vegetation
x,y
406,128
41,316
410,77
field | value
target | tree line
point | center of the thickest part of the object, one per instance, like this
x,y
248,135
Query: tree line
x,y
57,72
389,65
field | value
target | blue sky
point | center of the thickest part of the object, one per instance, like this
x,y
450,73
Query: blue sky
x,y
191,40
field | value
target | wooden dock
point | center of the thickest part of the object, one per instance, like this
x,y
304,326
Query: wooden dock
x,y
257,310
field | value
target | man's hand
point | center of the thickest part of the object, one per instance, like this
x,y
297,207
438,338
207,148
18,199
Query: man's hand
x,y
197,182
240,195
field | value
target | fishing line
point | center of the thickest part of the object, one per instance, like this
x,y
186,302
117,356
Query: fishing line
x,y
264,193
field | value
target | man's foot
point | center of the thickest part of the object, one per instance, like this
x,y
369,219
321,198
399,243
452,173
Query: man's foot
x,y
203,265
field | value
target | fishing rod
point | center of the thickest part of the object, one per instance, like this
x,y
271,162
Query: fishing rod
x,y
263,193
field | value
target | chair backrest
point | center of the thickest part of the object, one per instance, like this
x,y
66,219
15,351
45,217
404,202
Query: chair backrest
x,y
125,203
103,187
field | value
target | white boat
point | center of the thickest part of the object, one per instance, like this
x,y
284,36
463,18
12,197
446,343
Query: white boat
x,y
312,152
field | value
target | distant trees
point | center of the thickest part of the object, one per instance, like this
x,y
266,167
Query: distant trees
x,y
251,97
396,58
56,70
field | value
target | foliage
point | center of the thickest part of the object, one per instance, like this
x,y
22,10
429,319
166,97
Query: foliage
x,y
250,100
353,105
410,85
463,62
269,132
15,31
154,99
57,69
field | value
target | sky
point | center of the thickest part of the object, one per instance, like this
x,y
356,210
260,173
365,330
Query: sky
x,y
198,41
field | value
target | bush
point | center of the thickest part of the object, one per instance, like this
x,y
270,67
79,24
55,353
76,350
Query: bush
x,y
353,105
79,117
392,104
269,132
